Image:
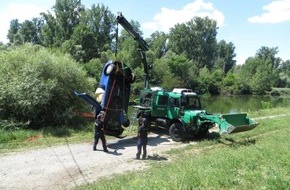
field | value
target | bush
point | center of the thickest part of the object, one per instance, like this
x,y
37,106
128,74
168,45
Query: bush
x,y
266,105
37,86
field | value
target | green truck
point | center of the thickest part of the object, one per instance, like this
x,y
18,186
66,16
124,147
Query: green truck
x,y
180,111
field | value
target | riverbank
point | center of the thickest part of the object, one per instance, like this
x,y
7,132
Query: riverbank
x,y
280,92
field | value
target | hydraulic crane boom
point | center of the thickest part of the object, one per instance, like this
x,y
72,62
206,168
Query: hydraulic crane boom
x,y
143,46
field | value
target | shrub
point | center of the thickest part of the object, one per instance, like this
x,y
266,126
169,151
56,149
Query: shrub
x,y
37,86
266,105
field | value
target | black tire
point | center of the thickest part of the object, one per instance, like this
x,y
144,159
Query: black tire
x,y
177,132
109,69
203,131
126,123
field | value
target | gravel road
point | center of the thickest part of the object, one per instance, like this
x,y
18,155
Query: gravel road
x,y
70,165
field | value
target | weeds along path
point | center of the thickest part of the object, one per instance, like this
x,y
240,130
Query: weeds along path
x,y
68,166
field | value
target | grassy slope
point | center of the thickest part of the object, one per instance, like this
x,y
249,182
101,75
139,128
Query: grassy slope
x,y
257,159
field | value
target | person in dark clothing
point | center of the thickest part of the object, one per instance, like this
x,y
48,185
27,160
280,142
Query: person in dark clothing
x,y
142,136
99,131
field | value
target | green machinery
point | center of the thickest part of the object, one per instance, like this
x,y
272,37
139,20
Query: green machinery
x,y
180,110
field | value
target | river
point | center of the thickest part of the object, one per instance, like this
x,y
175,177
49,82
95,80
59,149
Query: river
x,y
237,104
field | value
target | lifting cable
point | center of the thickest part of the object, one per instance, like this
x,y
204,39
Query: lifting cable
x,y
123,86
62,163
106,107
117,33
123,96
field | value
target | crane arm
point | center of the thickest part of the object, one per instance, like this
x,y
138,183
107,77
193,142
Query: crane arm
x,y
141,42
129,28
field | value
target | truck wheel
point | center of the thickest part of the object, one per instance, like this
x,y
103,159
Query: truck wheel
x,y
176,132
126,123
203,131
109,69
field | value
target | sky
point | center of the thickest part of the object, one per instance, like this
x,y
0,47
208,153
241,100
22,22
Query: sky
x,y
248,24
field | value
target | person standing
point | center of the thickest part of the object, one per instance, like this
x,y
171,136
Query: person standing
x,y
142,136
99,131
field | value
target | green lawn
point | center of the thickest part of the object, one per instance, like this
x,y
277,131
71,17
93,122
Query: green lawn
x,y
256,159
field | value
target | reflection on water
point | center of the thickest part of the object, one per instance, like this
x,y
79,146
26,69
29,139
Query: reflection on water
x,y
237,104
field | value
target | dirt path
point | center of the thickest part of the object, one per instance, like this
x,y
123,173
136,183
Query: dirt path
x,y
68,166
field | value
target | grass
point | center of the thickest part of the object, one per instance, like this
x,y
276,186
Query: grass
x,y
269,112
256,159
18,140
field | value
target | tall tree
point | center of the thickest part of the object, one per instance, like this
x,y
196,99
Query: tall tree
x,y
225,56
285,67
67,13
48,31
128,47
158,43
28,31
179,66
269,57
101,23
196,39
263,79
14,27
93,35
269,54
258,72
38,24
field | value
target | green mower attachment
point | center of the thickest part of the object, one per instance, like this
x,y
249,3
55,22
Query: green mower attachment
x,y
233,123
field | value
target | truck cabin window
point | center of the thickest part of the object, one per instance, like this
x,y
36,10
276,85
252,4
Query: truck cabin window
x,y
190,102
162,100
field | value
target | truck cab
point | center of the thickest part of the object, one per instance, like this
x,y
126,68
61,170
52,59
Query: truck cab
x,y
173,104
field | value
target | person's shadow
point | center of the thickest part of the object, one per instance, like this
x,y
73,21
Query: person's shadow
x,y
155,140
156,157
114,152
121,144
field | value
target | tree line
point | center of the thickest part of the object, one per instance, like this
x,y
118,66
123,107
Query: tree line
x,y
188,56
194,58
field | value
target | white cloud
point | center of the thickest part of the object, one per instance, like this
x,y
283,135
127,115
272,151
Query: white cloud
x,y
276,12
19,11
167,18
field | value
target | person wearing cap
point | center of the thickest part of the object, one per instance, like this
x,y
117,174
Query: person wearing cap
x,y
99,131
142,136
